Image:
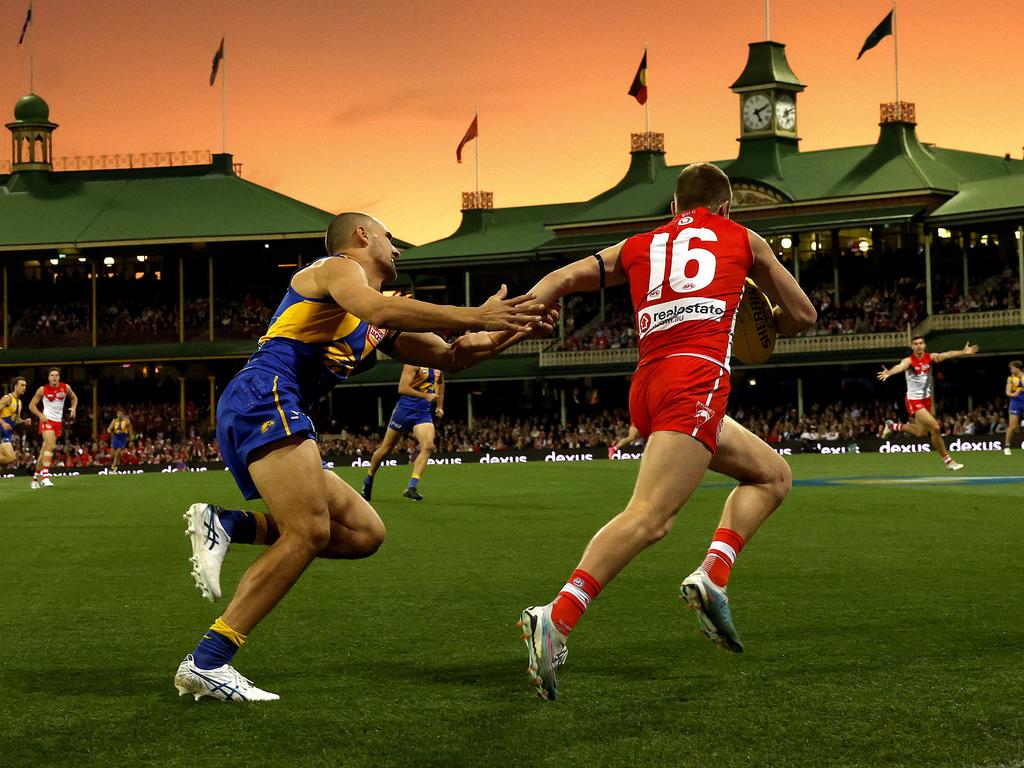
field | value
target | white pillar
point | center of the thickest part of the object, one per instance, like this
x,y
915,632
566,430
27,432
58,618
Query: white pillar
x,y
799,398
1020,267
561,407
928,272
469,410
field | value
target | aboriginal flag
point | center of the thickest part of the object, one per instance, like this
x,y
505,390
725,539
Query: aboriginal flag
x,y
471,133
638,90
24,27
216,61
884,29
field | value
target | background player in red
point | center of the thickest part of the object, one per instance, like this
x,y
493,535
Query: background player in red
x,y
686,280
52,395
918,368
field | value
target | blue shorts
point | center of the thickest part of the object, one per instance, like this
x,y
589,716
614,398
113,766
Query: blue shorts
x,y
257,408
410,411
6,435
1016,407
119,441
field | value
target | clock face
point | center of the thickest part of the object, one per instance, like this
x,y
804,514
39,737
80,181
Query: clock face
x,y
785,112
757,112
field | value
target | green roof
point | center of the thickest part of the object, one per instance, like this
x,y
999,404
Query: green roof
x,y
148,205
998,198
32,109
897,179
766,65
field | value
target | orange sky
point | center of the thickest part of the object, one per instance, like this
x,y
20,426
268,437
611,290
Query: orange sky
x,y
360,105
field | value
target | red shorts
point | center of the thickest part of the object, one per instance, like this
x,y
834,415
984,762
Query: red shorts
x,y
680,394
913,406
50,426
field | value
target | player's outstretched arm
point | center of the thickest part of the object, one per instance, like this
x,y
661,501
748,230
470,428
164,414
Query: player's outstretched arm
x,y
345,282
900,367
969,349
582,275
794,311
468,350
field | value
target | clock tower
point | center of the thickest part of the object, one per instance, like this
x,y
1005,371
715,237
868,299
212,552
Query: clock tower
x,y
768,112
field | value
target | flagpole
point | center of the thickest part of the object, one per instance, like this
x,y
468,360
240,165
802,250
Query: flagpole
x,y
647,101
767,21
476,119
896,49
31,54
224,101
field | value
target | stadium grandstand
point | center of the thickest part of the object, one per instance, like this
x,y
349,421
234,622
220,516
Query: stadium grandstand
x,y
148,280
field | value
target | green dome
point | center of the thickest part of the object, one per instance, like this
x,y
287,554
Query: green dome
x,y
32,109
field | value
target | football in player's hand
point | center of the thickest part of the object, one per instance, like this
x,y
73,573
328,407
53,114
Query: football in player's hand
x,y
754,338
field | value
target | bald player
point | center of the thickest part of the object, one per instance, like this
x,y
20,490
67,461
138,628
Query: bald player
x,y
328,326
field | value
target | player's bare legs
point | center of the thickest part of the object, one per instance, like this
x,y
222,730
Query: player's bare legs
x,y
927,423
299,497
7,455
764,478
42,473
424,434
387,445
1011,430
356,529
670,470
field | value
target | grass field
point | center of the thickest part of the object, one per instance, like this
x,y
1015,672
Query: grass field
x,y
883,621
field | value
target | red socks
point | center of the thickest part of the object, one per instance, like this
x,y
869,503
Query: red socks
x,y
722,553
573,600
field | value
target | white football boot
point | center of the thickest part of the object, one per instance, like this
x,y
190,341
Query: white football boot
x,y
209,546
954,465
545,647
46,482
223,683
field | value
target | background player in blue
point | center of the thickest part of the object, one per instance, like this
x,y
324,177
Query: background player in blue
x,y
420,389
120,428
10,417
327,327
1014,391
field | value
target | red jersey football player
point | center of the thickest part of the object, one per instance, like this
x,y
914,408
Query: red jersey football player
x,y
918,368
686,279
52,395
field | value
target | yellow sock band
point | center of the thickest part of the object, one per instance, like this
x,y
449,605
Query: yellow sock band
x,y
261,528
415,476
221,628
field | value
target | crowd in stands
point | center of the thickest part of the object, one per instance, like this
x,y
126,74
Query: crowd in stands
x,y
142,320
839,421
157,439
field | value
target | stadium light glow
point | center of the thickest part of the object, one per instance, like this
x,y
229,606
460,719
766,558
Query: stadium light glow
x,y
108,261
81,259
141,257
787,242
55,262
944,233
863,246
814,245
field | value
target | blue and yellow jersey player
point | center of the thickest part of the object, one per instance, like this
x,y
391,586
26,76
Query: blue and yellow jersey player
x,y
328,327
420,389
1014,391
10,417
120,430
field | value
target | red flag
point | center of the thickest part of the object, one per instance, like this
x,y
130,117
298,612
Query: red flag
x,y
471,133
638,90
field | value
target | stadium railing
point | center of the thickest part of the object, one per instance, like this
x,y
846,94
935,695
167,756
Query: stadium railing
x,y
967,320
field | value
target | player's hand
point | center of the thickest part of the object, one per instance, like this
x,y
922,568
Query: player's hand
x,y
519,313
71,413
883,374
970,349
547,324
431,397
439,413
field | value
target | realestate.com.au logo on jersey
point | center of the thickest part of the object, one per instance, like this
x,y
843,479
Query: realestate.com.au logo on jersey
x,y
661,316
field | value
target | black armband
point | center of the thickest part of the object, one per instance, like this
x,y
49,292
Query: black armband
x,y
600,264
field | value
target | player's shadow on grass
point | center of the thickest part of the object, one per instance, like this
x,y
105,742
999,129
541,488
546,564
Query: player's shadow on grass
x,y
113,682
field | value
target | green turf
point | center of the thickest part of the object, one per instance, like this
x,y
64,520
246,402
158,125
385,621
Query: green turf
x,y
883,626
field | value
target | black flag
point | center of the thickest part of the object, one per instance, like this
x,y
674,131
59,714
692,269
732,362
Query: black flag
x,y
24,27
216,61
882,30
